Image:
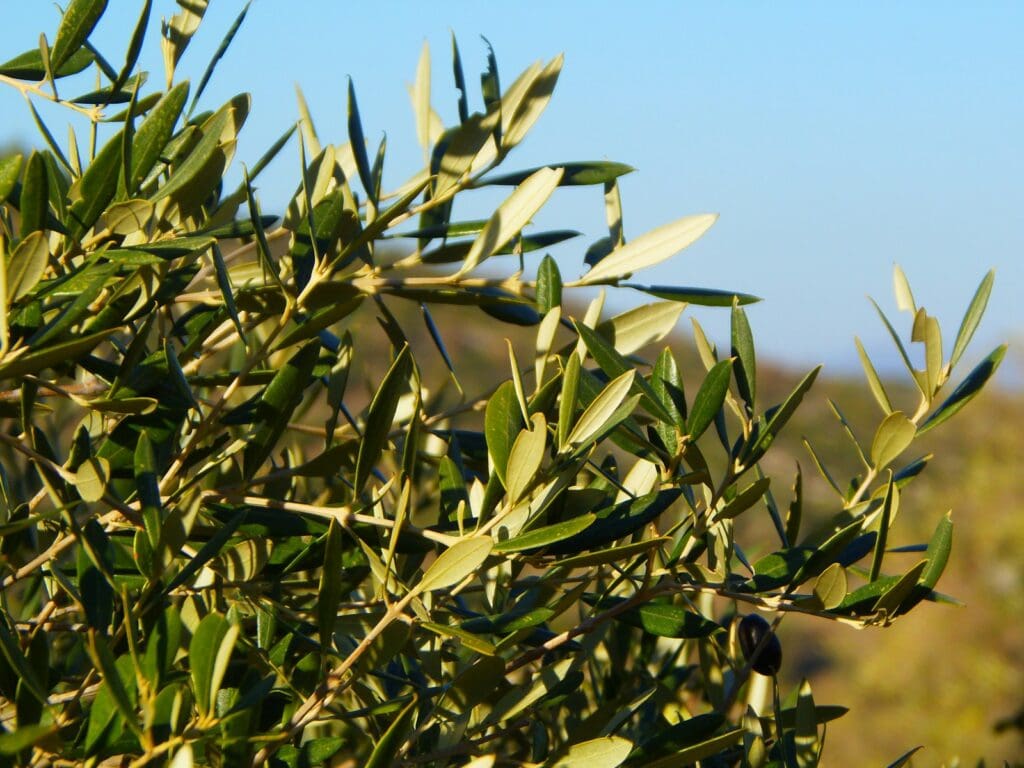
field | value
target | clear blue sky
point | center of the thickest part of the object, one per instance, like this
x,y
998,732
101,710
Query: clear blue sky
x,y
833,140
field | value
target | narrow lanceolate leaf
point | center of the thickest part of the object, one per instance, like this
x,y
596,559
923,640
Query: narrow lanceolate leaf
x,y
76,24
709,398
34,362
971,318
605,752
511,216
885,520
385,752
519,118
219,54
744,500
457,562
549,285
548,534
153,134
743,350
779,418
421,98
503,421
567,400
636,328
381,415
938,552
703,297
275,406
667,384
95,189
667,620
901,286
899,345
525,457
574,174
874,382
203,650
967,389
649,249
10,168
26,265
35,196
593,420
894,435
331,580
358,140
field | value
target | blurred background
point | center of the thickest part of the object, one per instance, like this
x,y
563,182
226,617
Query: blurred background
x,y
834,141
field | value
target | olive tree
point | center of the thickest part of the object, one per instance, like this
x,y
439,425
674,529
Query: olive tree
x,y
218,550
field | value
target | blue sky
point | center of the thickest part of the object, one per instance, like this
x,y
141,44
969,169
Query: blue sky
x,y
834,140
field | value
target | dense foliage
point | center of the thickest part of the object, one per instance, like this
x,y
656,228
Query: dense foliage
x,y
217,550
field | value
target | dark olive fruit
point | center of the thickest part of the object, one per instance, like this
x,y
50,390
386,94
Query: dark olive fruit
x,y
751,632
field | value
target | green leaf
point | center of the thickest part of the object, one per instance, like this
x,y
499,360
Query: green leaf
x,y
331,582
972,317
665,620
649,249
744,500
91,479
618,521
549,285
95,189
894,596
904,759
643,325
503,421
604,752
193,178
894,435
381,415
874,382
904,297
614,364
219,54
358,141
511,216
520,107
525,457
385,751
29,65
709,399
899,345
25,737
545,535
889,505
10,169
27,265
778,419
119,678
76,24
621,553
574,174
277,403
457,562
938,552
600,412
966,390
830,586
468,639
67,352
152,136
745,368
33,204
704,297
209,652
457,148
